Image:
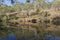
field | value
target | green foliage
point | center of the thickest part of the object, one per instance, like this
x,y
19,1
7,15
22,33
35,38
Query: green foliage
x,y
28,1
12,1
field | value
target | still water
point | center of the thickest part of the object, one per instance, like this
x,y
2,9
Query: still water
x,y
12,36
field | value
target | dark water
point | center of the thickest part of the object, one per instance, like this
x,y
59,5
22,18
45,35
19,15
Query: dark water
x,y
13,37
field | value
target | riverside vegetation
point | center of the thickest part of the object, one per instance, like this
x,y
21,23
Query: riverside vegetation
x,y
31,18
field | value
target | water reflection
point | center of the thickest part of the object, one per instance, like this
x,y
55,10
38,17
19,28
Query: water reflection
x,y
25,37
11,37
50,37
1,39
36,32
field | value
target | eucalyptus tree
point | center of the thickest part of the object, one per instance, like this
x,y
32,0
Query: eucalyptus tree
x,y
56,4
28,1
2,1
41,2
14,1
